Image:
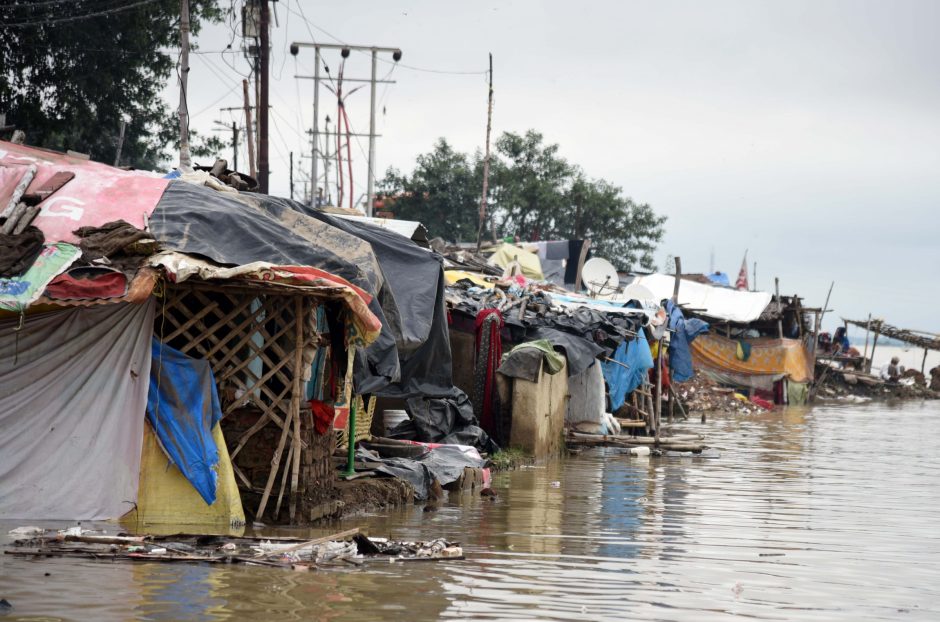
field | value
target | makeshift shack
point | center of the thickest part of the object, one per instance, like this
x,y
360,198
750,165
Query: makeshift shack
x,y
138,297
759,343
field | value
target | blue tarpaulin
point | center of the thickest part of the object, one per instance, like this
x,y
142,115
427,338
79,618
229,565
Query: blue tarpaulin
x,y
636,355
183,407
684,332
719,278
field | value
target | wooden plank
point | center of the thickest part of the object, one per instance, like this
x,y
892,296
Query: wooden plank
x,y
51,185
342,535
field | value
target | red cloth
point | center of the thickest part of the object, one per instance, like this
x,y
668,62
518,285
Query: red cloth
x,y
765,404
322,416
493,357
107,285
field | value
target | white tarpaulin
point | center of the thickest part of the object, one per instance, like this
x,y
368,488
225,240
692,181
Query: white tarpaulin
x,y
73,394
721,303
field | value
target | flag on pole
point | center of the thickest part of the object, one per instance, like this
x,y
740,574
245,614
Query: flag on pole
x,y
742,275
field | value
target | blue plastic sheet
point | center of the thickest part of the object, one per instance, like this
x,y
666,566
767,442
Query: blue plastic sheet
x,y
684,332
622,381
183,407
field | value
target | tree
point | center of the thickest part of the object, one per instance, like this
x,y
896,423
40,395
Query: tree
x,y
529,184
535,194
443,192
72,70
620,230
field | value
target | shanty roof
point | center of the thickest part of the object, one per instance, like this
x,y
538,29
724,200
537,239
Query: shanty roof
x,y
928,341
721,303
411,229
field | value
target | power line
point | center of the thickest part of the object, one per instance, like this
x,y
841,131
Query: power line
x,y
411,67
76,18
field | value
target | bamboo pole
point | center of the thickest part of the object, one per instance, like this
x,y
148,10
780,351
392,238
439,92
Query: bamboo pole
x,y
867,333
780,306
659,386
874,344
295,402
923,363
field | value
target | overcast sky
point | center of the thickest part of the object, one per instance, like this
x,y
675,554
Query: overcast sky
x,y
807,133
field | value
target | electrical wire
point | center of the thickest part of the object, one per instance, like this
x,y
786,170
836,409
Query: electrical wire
x,y
75,18
310,25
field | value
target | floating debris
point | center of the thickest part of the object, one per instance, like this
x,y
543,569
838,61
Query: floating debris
x,y
348,547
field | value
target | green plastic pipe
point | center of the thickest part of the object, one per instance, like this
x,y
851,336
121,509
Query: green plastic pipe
x,y
351,442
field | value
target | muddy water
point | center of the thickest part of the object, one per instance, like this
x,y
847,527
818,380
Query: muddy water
x,y
823,514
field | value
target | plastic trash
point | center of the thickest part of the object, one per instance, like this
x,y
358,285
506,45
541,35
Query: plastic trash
x,y
27,531
639,451
555,484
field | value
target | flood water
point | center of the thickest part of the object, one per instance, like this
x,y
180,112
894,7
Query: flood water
x,y
823,514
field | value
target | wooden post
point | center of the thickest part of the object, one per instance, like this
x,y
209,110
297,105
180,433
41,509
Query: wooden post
x,y
816,320
584,251
874,344
867,331
659,386
799,318
675,287
923,363
295,401
779,307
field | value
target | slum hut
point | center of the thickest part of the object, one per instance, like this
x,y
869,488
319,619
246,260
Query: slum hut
x,y
512,337
920,339
761,344
159,307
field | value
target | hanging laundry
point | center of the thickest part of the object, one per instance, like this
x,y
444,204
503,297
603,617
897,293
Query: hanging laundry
x,y
680,340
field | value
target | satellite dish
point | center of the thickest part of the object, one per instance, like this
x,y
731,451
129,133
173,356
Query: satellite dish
x,y
635,291
600,277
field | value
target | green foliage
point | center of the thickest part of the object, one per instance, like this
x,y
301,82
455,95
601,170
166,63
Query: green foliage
x,y
68,83
443,192
535,194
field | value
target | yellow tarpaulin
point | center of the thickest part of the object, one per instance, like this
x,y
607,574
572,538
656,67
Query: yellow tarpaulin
x,y
166,497
453,276
767,356
505,254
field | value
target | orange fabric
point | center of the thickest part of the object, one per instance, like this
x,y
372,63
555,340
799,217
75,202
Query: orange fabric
x,y
768,356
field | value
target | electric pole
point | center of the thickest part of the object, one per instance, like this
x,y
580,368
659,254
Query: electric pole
x,y
234,129
345,49
291,175
486,161
326,165
263,58
186,163
249,133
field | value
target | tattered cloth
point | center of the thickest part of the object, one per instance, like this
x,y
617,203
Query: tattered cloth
x,y
17,252
108,239
768,356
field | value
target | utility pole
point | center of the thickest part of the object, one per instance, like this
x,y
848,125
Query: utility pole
x,y
315,143
186,163
486,162
234,129
234,146
291,175
249,133
370,183
264,57
345,49
326,165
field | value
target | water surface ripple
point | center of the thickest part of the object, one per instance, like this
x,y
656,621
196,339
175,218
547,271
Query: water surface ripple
x,y
828,513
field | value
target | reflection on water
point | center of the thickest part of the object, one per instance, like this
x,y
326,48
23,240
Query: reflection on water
x,y
822,514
